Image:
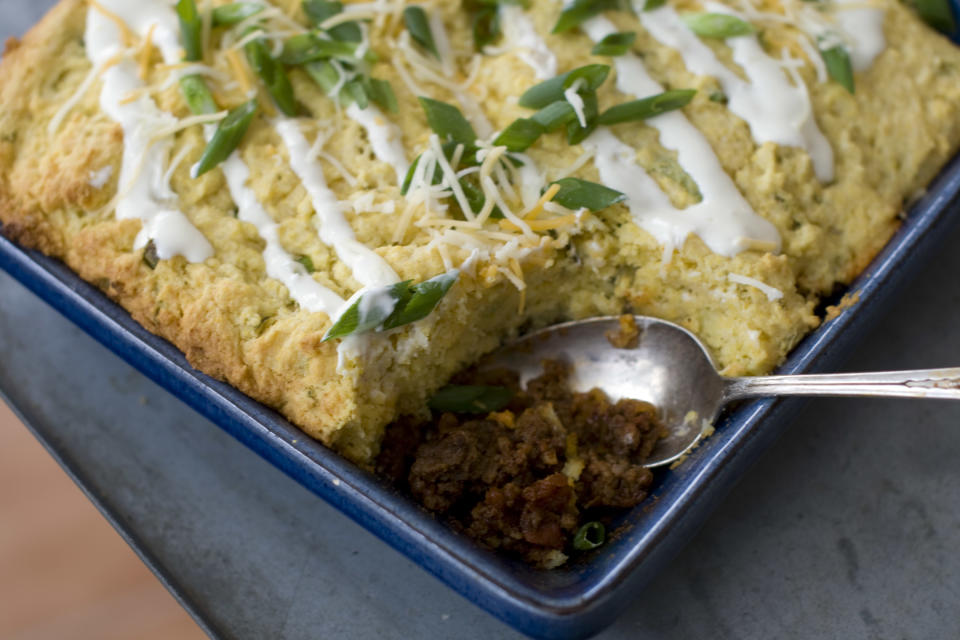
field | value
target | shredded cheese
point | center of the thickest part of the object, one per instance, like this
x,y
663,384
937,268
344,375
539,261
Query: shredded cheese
x,y
81,91
543,225
773,294
146,51
129,37
238,69
550,194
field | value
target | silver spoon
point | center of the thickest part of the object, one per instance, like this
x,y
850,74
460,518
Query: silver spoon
x,y
671,369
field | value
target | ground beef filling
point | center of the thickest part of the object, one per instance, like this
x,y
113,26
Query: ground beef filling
x,y
524,479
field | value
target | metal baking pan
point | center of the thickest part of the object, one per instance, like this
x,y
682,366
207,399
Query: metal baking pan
x,y
571,602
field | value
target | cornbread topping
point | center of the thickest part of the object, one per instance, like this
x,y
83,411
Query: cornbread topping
x,y
336,206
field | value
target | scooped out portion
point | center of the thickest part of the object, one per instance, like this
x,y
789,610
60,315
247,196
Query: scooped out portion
x,y
523,470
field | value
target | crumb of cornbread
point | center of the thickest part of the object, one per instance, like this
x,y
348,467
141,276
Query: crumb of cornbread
x,y
235,323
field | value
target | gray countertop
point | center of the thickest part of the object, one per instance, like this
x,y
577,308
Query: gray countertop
x,y
848,527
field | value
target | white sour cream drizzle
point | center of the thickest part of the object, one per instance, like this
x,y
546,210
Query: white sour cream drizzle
x,y
280,265
724,220
864,29
775,109
385,138
368,267
522,37
141,193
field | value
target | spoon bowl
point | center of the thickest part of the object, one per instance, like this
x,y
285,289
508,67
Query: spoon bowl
x,y
670,368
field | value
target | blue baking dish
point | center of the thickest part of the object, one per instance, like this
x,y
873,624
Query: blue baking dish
x,y
571,602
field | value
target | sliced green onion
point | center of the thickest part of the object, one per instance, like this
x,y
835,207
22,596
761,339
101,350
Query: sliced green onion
x,y
590,536
424,298
274,76
647,107
555,115
354,91
485,19
717,25
150,256
307,47
319,11
197,95
615,44
392,306
669,168
839,66
650,5
937,14
582,10
419,27
408,179
235,13
581,194
471,399
484,22
719,97
369,312
306,262
324,74
227,138
521,133
191,30
550,91
447,121
381,93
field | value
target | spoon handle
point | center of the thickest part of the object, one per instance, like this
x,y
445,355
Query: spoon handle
x,y
922,383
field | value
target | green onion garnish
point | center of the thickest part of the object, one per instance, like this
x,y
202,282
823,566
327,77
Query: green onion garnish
x,y
191,30
837,60
937,14
381,93
150,256
615,44
581,10
392,306
471,399
324,74
423,299
274,76
590,536
370,311
581,194
307,47
484,21
647,107
719,97
447,121
227,138
650,5
555,115
319,11
306,262
717,25
419,27
197,95
235,13
550,91
521,133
